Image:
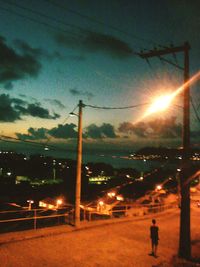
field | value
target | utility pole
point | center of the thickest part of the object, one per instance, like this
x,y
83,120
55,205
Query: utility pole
x,y
184,238
78,167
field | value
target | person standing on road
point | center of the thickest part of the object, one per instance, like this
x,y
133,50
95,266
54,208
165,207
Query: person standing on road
x,y
154,237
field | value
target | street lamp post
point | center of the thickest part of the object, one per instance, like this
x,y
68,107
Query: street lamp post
x,y
30,202
78,167
184,238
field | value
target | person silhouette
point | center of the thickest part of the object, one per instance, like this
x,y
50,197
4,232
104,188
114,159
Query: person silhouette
x,y
154,237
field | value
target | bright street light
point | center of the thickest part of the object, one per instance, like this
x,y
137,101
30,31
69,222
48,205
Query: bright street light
x,y
101,203
72,114
59,202
158,187
111,194
160,104
30,202
120,198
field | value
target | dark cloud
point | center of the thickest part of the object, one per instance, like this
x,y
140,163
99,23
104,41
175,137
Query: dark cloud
x,y
97,132
36,110
166,128
24,48
18,101
76,92
55,102
8,86
158,128
33,134
16,65
76,58
69,131
22,95
27,50
12,109
7,112
96,42
130,128
64,131
60,132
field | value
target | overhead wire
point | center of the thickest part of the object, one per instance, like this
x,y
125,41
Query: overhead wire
x,y
46,24
63,22
64,7
43,15
163,60
70,32
194,108
10,139
65,120
37,21
44,145
75,35
125,107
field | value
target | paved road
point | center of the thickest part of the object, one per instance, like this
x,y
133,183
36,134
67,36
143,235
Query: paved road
x,y
124,244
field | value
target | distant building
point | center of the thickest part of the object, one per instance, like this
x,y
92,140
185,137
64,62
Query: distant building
x,y
99,180
50,203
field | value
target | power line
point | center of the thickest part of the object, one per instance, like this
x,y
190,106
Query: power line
x,y
69,115
98,21
37,21
43,15
45,145
194,108
24,141
75,35
61,21
126,107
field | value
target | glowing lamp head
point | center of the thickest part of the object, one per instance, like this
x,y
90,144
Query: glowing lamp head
x,y
120,198
158,187
160,104
111,194
59,201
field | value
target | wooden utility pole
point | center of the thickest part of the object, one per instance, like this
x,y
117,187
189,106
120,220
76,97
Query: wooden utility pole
x,y
78,167
184,238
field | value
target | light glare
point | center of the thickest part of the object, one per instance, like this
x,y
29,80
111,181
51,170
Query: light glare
x,y
160,104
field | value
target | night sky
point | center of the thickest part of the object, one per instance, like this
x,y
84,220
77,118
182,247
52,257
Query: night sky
x,y
54,53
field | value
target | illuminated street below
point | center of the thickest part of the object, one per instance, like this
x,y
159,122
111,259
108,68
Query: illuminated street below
x,y
115,244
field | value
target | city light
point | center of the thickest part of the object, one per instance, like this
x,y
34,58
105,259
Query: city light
x,y
59,202
158,187
111,194
30,202
120,198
